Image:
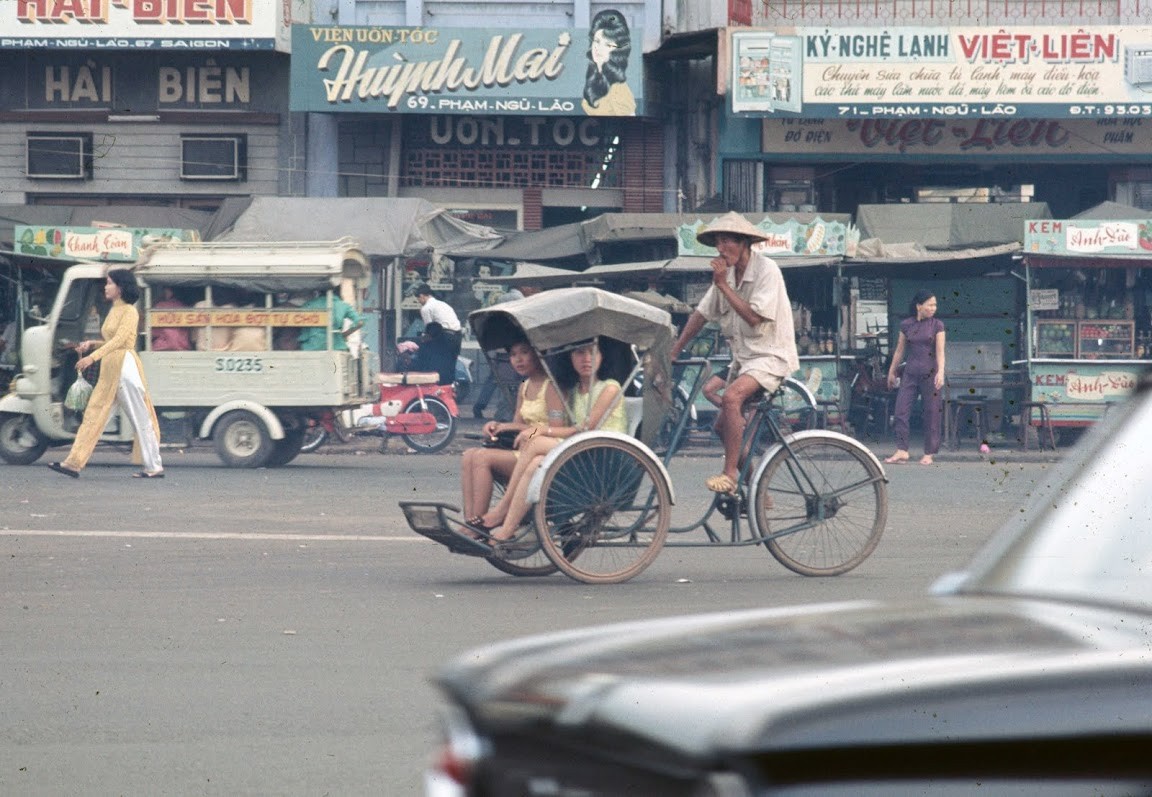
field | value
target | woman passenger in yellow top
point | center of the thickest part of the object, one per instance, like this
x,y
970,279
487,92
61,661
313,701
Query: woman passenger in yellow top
x,y
121,383
605,91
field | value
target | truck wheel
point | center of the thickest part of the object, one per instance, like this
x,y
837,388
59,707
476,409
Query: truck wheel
x,y
20,442
242,441
286,450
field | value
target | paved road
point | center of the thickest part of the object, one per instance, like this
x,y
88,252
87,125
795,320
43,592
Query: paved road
x,y
273,631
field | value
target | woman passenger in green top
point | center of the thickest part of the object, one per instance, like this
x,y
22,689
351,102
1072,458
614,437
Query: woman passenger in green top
x,y
593,403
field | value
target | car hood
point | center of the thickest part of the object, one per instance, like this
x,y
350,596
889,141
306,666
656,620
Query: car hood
x,y
944,668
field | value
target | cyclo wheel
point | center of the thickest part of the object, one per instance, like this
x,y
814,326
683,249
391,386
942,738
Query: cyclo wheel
x,y
604,510
538,564
838,525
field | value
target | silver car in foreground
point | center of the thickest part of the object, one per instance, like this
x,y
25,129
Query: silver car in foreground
x,y
1029,672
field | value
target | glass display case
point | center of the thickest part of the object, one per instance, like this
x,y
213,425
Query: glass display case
x,y
1105,339
1056,337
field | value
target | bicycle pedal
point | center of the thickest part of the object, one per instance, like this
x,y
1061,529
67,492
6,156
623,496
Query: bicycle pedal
x,y
732,507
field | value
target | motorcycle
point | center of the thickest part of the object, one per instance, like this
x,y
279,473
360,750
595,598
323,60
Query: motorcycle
x,y
411,405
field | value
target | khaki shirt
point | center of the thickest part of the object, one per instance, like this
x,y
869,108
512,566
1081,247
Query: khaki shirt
x,y
771,344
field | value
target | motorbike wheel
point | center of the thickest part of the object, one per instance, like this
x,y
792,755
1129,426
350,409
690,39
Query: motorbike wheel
x,y
20,442
314,438
445,427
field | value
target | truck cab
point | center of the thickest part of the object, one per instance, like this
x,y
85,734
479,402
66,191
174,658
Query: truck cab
x,y
237,342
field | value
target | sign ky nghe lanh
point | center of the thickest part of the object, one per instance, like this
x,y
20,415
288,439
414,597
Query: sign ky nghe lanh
x,y
962,72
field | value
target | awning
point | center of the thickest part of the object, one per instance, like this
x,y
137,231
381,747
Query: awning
x,y
618,227
948,226
552,243
92,215
384,226
536,274
687,264
875,251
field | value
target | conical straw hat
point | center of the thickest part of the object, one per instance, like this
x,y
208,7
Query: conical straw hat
x,y
734,224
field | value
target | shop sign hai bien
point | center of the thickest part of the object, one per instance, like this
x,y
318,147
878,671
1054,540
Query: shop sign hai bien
x,y
1046,72
148,24
1085,237
817,238
525,71
114,244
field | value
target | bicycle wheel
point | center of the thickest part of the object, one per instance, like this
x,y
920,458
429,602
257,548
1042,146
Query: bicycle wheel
x,y
604,511
829,505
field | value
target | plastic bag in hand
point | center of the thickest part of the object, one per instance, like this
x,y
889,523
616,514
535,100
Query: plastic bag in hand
x,y
78,395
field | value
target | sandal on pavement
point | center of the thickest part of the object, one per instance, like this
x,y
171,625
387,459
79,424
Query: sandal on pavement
x,y
143,474
896,459
56,466
721,483
926,459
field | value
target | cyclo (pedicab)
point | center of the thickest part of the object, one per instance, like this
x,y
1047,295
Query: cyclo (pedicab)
x,y
602,501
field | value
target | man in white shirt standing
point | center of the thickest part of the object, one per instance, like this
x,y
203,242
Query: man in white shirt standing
x,y
433,309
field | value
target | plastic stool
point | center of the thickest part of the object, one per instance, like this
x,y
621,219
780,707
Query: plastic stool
x,y
1045,427
975,412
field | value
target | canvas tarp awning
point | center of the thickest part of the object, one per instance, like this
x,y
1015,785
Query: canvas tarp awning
x,y
873,250
614,227
536,274
687,264
944,225
930,232
551,243
384,226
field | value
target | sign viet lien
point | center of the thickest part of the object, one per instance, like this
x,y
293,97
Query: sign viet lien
x,y
1011,71
118,244
539,72
1072,237
147,24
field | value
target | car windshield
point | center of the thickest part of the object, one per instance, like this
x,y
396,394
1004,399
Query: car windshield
x,y
1088,537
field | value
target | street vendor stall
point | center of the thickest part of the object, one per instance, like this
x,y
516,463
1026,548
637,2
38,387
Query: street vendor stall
x,y
1089,292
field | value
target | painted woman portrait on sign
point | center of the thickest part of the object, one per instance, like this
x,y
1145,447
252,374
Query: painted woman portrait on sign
x,y
609,44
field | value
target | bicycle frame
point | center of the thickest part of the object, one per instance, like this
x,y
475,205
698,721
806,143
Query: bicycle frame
x,y
763,418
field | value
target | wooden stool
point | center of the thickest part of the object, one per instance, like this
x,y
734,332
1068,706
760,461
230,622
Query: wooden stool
x,y
974,410
1045,427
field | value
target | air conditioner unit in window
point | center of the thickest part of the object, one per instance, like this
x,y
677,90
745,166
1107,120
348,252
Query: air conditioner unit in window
x,y
213,158
59,157
1138,64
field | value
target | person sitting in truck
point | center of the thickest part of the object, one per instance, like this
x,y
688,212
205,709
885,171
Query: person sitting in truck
x,y
170,338
221,336
316,338
248,338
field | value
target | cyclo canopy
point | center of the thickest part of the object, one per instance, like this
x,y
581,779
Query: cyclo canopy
x,y
627,329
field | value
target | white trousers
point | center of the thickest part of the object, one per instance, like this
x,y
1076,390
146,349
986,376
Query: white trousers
x,y
131,397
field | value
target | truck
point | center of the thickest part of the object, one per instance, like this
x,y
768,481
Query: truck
x,y
254,402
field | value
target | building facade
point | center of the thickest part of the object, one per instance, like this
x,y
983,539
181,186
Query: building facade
x,y
177,103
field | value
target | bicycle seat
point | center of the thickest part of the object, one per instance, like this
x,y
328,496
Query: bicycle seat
x,y
409,378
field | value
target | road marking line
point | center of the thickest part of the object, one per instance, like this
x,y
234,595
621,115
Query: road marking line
x,y
220,535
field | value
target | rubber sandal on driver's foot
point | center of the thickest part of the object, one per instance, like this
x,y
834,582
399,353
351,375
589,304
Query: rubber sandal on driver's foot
x,y
721,483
